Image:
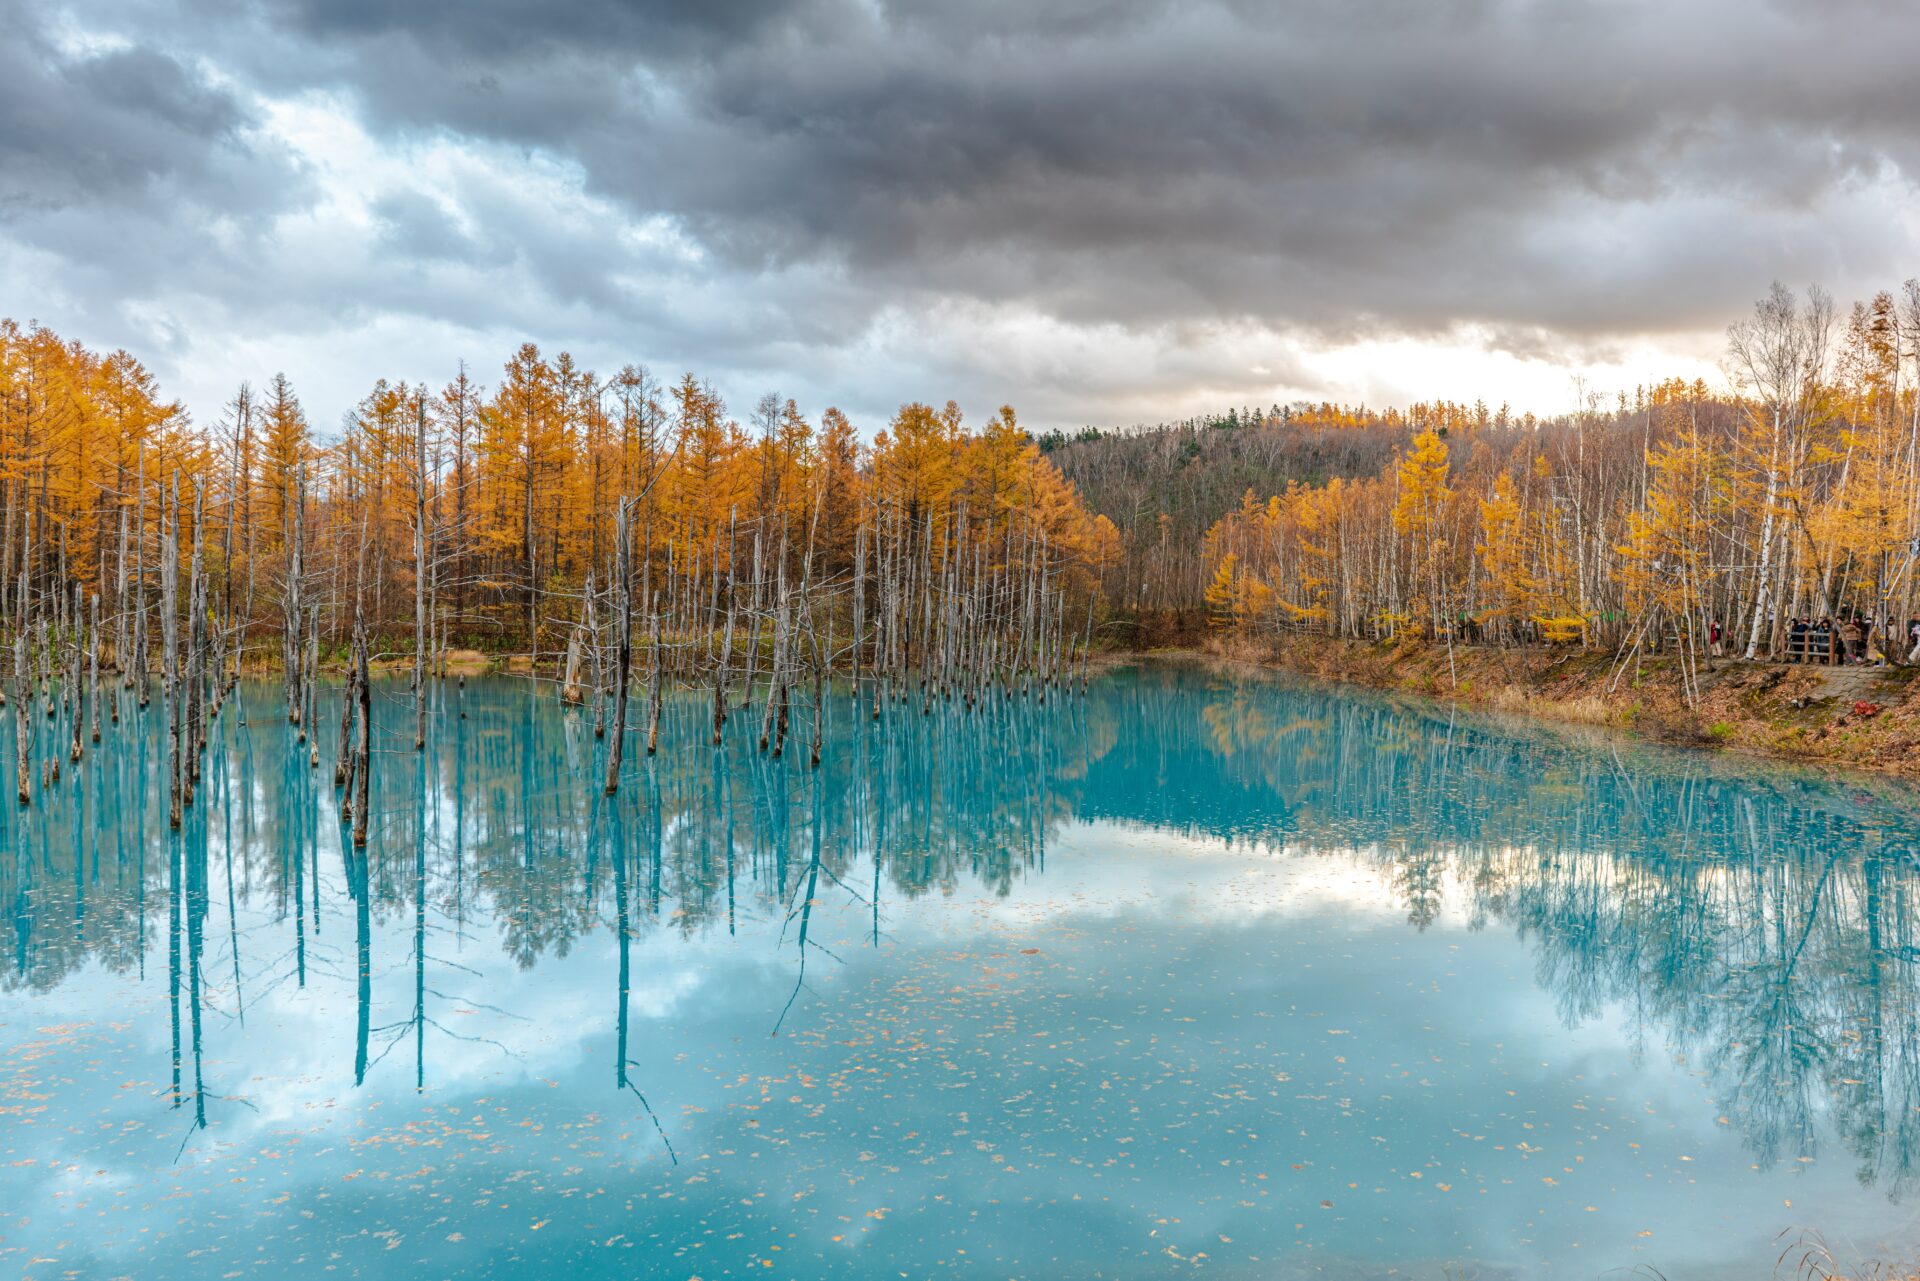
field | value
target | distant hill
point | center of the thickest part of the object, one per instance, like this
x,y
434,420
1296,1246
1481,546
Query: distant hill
x,y
1164,485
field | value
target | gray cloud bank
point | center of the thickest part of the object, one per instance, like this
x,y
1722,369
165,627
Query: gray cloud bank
x,y
1088,207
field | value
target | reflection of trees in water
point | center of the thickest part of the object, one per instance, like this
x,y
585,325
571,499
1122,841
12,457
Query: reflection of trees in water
x,y
511,831
1761,922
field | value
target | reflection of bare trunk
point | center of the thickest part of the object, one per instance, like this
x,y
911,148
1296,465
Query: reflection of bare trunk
x,y
623,917
623,935
363,947
194,856
806,911
420,927
174,857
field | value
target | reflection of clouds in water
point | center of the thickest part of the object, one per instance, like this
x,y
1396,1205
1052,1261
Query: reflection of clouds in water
x,y
1311,930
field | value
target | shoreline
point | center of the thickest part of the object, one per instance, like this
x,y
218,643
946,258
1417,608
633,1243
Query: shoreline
x,y
1856,718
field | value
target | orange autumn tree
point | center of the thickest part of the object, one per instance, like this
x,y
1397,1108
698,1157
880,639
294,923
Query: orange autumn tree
x,y
1420,514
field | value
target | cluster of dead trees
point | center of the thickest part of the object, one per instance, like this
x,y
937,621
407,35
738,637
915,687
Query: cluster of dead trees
x,y
928,610
930,606
61,644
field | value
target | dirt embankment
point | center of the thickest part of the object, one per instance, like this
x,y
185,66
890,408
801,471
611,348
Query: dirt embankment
x,y
1860,717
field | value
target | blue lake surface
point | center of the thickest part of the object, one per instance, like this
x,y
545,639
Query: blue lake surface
x,y
1202,972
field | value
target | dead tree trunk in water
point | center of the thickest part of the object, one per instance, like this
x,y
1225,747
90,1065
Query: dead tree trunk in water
x,y
140,656
93,668
121,664
343,762
23,699
653,690
75,651
292,606
194,722
596,651
308,683
363,751
420,572
170,640
724,667
623,642
819,703
570,691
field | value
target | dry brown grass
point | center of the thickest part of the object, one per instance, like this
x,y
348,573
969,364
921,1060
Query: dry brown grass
x,y
1806,1256
1584,709
466,662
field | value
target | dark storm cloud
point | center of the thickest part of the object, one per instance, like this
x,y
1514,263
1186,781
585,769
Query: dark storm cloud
x,y
1343,166
110,125
841,184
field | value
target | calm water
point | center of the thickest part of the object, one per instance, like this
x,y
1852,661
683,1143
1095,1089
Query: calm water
x,y
1201,972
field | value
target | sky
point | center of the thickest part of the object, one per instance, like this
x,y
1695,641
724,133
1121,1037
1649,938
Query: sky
x,y
1099,211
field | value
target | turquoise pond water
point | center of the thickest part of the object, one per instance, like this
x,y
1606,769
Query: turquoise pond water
x,y
1201,973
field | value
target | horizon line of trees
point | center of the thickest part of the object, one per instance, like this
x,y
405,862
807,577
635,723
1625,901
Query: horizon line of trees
x,y
513,516
1699,519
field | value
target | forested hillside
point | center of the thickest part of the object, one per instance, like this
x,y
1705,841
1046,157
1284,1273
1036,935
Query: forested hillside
x,y
1165,486
1682,514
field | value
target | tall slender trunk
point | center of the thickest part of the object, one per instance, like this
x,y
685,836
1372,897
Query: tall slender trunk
x,y
23,728
623,641
363,748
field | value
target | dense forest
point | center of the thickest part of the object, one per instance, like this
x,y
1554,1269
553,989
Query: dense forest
x,y
1680,515
1165,486
598,529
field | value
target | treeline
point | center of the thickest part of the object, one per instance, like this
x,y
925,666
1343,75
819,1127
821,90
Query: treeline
x,y
1703,520
602,528
557,511
1164,486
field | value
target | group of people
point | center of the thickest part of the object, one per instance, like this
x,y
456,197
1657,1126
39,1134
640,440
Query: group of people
x,y
1850,639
